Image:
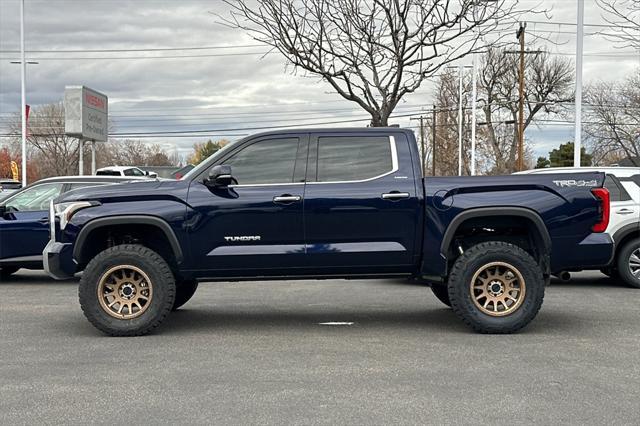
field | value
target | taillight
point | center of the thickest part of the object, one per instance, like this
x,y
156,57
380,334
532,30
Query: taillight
x,y
602,194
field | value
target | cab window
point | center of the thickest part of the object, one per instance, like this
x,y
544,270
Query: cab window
x,y
265,162
34,198
353,158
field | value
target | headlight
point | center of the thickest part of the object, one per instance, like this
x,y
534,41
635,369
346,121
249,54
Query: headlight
x,y
66,210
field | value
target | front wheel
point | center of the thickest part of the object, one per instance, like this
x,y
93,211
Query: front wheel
x,y
127,290
496,287
628,263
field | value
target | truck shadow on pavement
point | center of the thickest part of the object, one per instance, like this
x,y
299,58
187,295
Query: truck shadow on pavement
x,y
429,320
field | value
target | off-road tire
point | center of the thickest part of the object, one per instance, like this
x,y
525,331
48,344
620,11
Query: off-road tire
x,y
442,293
622,263
185,289
147,260
473,260
7,271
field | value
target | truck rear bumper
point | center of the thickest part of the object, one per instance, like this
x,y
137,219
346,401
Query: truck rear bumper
x,y
593,252
57,259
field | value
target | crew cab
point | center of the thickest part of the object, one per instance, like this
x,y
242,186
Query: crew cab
x,y
327,203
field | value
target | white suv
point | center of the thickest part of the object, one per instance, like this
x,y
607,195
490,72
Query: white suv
x,y
124,171
623,184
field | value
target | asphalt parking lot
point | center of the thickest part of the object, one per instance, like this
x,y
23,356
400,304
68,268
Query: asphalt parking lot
x,y
255,352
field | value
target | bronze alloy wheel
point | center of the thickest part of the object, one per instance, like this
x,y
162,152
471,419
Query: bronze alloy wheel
x,y
498,289
125,292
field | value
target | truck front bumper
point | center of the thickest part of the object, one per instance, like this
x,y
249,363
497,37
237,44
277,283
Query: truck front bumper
x,y
58,260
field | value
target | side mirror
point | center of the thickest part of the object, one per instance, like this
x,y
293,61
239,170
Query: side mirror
x,y
219,176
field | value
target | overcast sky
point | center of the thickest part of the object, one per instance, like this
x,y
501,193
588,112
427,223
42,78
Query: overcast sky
x,y
229,86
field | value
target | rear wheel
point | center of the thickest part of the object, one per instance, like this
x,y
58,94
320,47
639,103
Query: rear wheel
x,y
7,271
628,263
127,290
184,292
496,287
442,293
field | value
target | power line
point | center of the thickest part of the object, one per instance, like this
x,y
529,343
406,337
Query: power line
x,y
147,49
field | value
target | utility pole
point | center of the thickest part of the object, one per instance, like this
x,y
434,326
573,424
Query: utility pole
x,y
433,148
423,146
577,144
520,36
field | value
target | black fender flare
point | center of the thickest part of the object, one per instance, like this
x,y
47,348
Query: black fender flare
x,y
624,232
495,211
128,220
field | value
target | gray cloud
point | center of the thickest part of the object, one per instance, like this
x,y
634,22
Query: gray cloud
x,y
248,89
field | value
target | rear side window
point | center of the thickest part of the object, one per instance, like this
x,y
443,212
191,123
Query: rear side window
x,y
107,173
353,158
616,190
265,162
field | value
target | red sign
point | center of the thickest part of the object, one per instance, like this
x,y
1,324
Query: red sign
x,y
94,101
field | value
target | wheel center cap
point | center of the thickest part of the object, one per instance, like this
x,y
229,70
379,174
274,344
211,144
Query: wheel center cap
x,y
496,288
127,291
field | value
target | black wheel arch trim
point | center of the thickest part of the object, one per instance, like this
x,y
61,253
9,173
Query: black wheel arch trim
x,y
493,211
128,220
624,232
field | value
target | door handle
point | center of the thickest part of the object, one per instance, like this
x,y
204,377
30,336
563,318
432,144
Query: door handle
x,y
395,195
44,220
624,211
286,198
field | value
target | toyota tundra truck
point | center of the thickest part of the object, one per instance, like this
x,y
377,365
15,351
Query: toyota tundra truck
x,y
326,203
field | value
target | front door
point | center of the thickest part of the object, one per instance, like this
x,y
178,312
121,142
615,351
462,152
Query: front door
x,y
254,226
361,205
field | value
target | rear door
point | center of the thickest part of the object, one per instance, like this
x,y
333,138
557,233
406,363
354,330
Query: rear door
x,y
361,208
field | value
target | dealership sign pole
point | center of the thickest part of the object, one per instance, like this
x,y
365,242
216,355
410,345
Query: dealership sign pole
x,y
86,113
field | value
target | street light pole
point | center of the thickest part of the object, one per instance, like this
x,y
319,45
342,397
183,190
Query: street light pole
x,y
23,106
474,94
460,123
577,144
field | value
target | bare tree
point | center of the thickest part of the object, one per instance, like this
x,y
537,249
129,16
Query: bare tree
x,y
55,153
548,84
624,18
612,122
374,52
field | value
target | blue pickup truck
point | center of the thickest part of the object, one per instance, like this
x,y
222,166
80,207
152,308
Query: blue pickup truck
x,y
327,203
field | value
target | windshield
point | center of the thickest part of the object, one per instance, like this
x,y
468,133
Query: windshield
x,y
197,169
34,198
